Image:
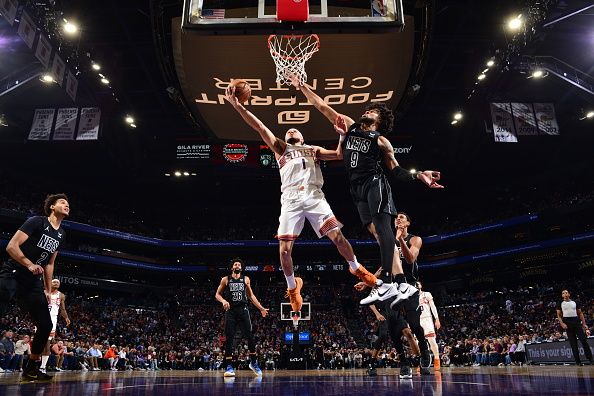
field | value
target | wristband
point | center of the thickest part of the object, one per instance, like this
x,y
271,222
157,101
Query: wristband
x,y
403,175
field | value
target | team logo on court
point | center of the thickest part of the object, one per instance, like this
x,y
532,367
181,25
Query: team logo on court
x,y
235,152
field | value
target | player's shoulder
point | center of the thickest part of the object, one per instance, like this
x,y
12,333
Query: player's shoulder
x,y
225,279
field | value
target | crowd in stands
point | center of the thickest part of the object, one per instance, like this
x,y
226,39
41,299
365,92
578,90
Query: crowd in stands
x,y
199,222
172,333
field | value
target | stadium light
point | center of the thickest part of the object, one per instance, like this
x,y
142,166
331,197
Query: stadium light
x,y
413,171
177,173
538,74
490,63
132,125
481,76
458,116
105,81
590,114
168,174
186,173
47,78
515,23
454,122
129,119
70,28
96,66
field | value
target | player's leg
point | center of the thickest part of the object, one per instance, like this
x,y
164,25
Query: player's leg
x,y
382,337
230,327
32,299
322,219
412,313
584,340
245,324
291,223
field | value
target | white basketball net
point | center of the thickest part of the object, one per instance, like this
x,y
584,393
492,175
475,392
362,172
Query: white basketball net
x,y
290,53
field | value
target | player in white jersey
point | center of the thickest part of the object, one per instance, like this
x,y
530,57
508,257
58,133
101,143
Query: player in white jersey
x,y
302,198
429,322
56,305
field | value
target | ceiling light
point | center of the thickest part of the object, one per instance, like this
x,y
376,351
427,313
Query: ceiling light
x,y
490,63
590,114
132,125
129,119
105,81
481,77
193,174
186,173
96,66
454,122
515,23
167,174
70,28
47,78
537,74
458,116
413,170
177,173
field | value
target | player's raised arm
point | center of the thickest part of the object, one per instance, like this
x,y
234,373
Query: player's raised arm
x,y
275,144
428,177
319,103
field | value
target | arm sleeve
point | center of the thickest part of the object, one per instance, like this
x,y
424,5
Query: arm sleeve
x,y
31,225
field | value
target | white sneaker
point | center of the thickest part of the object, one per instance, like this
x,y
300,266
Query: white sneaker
x,y
59,369
405,291
381,293
43,370
1,370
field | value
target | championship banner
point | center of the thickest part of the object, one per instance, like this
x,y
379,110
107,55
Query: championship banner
x,y
43,51
65,123
524,119
71,85
503,123
8,8
58,69
545,118
42,124
88,127
27,29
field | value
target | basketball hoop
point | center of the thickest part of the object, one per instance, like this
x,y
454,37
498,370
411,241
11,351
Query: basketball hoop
x,y
290,53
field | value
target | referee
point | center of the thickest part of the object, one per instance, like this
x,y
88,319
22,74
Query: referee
x,y
568,312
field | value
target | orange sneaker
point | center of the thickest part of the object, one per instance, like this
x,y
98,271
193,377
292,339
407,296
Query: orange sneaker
x,y
436,364
365,276
295,295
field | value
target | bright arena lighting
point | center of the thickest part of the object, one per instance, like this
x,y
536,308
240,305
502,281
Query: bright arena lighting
x,y
413,170
177,173
458,116
454,122
481,77
490,63
96,66
515,23
47,78
129,119
70,28
105,81
186,173
537,73
590,114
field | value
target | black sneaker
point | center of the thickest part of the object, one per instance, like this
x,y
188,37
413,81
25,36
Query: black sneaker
x,y
405,372
371,371
36,375
425,371
32,373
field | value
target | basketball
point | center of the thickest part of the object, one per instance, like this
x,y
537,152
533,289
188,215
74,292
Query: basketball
x,y
243,91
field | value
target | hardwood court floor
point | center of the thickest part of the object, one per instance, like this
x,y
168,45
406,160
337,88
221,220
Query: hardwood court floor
x,y
483,381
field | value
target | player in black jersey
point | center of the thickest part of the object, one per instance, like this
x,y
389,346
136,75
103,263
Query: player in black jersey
x,y
365,151
28,273
409,246
233,292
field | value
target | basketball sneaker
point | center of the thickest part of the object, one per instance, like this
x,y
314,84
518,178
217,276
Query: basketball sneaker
x,y
365,276
381,293
255,368
295,295
405,372
371,370
229,372
405,291
32,373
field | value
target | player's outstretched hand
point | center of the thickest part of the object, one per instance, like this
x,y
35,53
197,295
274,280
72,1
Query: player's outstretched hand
x,y
340,126
360,286
264,312
430,178
230,96
294,78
